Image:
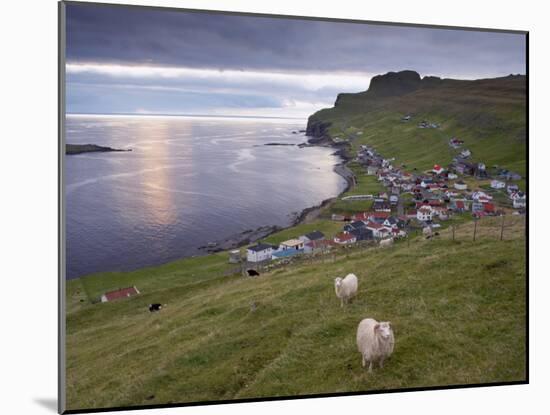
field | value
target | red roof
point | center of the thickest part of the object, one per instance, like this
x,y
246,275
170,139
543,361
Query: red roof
x,y
459,204
374,225
379,215
489,207
121,293
342,236
437,167
361,216
425,209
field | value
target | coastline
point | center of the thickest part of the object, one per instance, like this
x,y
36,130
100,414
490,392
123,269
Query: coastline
x,y
306,215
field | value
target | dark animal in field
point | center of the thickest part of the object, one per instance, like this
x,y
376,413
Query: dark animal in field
x,y
252,273
155,307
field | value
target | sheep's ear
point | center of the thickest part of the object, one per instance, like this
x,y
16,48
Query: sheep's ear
x,y
376,326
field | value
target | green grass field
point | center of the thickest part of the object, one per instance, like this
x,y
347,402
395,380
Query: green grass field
x,y
457,308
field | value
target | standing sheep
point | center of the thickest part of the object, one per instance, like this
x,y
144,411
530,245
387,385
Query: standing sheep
x,y
345,288
374,341
386,242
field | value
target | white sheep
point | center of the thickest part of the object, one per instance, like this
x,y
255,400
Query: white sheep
x,y
346,288
374,341
386,242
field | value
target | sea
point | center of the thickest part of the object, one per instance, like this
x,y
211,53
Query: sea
x,y
189,182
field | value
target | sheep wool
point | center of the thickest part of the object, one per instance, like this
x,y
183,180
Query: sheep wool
x,y
386,242
345,288
375,341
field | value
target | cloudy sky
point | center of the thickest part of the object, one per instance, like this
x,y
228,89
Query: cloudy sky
x,y
136,60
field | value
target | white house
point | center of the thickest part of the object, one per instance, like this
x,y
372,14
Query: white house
x,y
425,213
460,185
258,253
481,196
452,176
378,230
519,200
497,184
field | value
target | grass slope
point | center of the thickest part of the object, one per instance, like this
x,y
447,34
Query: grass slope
x,y
458,311
489,115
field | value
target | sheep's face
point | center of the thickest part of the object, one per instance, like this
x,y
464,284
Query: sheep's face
x,y
384,329
338,282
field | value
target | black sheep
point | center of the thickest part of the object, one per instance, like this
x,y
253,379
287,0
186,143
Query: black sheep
x,y
155,307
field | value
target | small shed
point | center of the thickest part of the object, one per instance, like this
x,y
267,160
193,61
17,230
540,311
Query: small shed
x,y
234,256
119,294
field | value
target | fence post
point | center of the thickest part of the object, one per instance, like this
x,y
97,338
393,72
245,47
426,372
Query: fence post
x,y
453,228
475,229
502,228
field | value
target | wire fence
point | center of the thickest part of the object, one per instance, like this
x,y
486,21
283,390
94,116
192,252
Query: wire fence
x,y
502,228
505,227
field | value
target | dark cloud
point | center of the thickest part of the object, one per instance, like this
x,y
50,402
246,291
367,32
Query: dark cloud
x,y
130,59
164,37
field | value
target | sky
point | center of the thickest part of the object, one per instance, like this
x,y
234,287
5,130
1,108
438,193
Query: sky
x,y
150,61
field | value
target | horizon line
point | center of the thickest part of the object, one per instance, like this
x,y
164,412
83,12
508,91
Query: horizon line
x,y
133,114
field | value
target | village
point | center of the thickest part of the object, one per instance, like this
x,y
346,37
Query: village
x,y
411,201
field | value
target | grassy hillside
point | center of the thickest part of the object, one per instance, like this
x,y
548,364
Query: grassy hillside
x,y
458,311
489,115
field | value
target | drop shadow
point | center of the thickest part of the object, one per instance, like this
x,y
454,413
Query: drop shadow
x,y
48,403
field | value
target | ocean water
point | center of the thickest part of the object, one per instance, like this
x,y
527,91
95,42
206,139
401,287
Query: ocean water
x,y
189,181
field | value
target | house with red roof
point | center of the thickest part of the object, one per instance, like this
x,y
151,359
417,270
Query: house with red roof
x,y
364,216
489,208
459,206
119,294
438,169
345,238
